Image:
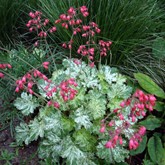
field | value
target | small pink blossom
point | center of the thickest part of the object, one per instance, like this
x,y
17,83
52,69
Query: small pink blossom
x,y
102,129
1,75
142,130
109,145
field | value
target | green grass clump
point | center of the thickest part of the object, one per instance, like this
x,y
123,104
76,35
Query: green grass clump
x,y
132,25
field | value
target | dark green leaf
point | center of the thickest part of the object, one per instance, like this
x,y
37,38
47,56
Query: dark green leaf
x,y
151,122
160,106
156,151
149,85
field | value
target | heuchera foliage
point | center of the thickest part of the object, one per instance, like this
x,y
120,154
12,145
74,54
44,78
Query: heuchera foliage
x,y
83,114
69,121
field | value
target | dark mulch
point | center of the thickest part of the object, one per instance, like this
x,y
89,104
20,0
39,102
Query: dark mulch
x,y
26,155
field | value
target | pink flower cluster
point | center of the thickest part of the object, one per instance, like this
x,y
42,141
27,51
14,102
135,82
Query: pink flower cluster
x,y
84,11
90,30
145,101
73,20
37,24
136,138
138,103
70,19
55,104
28,80
85,51
64,89
66,92
4,66
46,64
68,45
116,134
104,47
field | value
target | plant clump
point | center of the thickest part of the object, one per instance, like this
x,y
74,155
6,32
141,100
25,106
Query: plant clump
x,y
83,113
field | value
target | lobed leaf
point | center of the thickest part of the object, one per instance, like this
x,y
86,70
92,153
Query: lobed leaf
x,y
27,103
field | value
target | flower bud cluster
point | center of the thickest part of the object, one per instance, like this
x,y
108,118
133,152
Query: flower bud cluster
x,y
90,30
37,24
84,11
85,51
68,45
145,101
46,64
136,107
28,80
136,138
104,47
66,92
55,104
64,89
4,66
139,103
73,20
70,19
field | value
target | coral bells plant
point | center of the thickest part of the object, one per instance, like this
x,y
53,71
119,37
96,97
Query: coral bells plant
x,y
72,106
83,114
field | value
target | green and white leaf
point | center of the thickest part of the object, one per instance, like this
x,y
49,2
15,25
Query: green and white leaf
x,y
117,94
103,153
58,76
50,146
53,122
82,118
107,74
27,103
79,99
37,129
84,74
71,152
96,107
96,104
22,134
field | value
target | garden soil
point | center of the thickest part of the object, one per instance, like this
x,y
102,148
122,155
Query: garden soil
x,y
26,155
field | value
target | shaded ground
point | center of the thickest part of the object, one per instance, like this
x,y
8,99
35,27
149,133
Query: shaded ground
x,y
16,156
